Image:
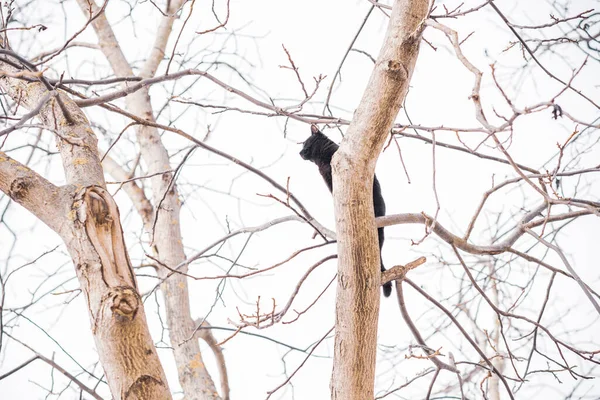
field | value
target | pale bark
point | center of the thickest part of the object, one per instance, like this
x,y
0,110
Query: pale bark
x,y
32,191
494,337
166,236
135,193
358,292
87,219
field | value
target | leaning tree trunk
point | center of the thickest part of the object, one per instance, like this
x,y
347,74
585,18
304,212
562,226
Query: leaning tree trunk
x,y
194,378
358,289
87,219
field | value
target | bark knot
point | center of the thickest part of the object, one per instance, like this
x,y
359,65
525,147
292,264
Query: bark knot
x,y
125,303
19,188
144,387
397,70
98,209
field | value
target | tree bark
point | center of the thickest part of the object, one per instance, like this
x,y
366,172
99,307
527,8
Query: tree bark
x,y
358,289
87,219
167,242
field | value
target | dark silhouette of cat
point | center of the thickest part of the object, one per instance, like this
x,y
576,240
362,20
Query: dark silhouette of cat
x,y
319,149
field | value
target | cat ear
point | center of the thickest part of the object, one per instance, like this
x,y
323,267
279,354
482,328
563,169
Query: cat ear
x,y
314,130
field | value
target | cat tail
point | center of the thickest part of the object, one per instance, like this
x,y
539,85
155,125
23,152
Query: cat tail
x,y
387,289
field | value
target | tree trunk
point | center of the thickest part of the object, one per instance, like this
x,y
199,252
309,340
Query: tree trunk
x,y
358,289
167,242
86,217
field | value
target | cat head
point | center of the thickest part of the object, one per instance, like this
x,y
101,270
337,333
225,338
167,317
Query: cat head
x,y
318,147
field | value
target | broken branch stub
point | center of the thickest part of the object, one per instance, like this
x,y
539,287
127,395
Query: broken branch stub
x,y
100,216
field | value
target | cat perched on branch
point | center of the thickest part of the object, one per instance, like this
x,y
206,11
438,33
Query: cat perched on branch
x,y
319,149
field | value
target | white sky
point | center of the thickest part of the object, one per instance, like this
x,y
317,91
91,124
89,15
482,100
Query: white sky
x,y
317,34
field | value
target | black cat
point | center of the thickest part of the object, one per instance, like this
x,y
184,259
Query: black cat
x,y
319,149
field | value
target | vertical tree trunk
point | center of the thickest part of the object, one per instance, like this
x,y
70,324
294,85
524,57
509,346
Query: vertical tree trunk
x,y
358,290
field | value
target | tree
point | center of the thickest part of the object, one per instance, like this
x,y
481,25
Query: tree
x,y
485,237
353,168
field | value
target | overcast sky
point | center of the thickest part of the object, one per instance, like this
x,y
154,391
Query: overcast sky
x,y
317,34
